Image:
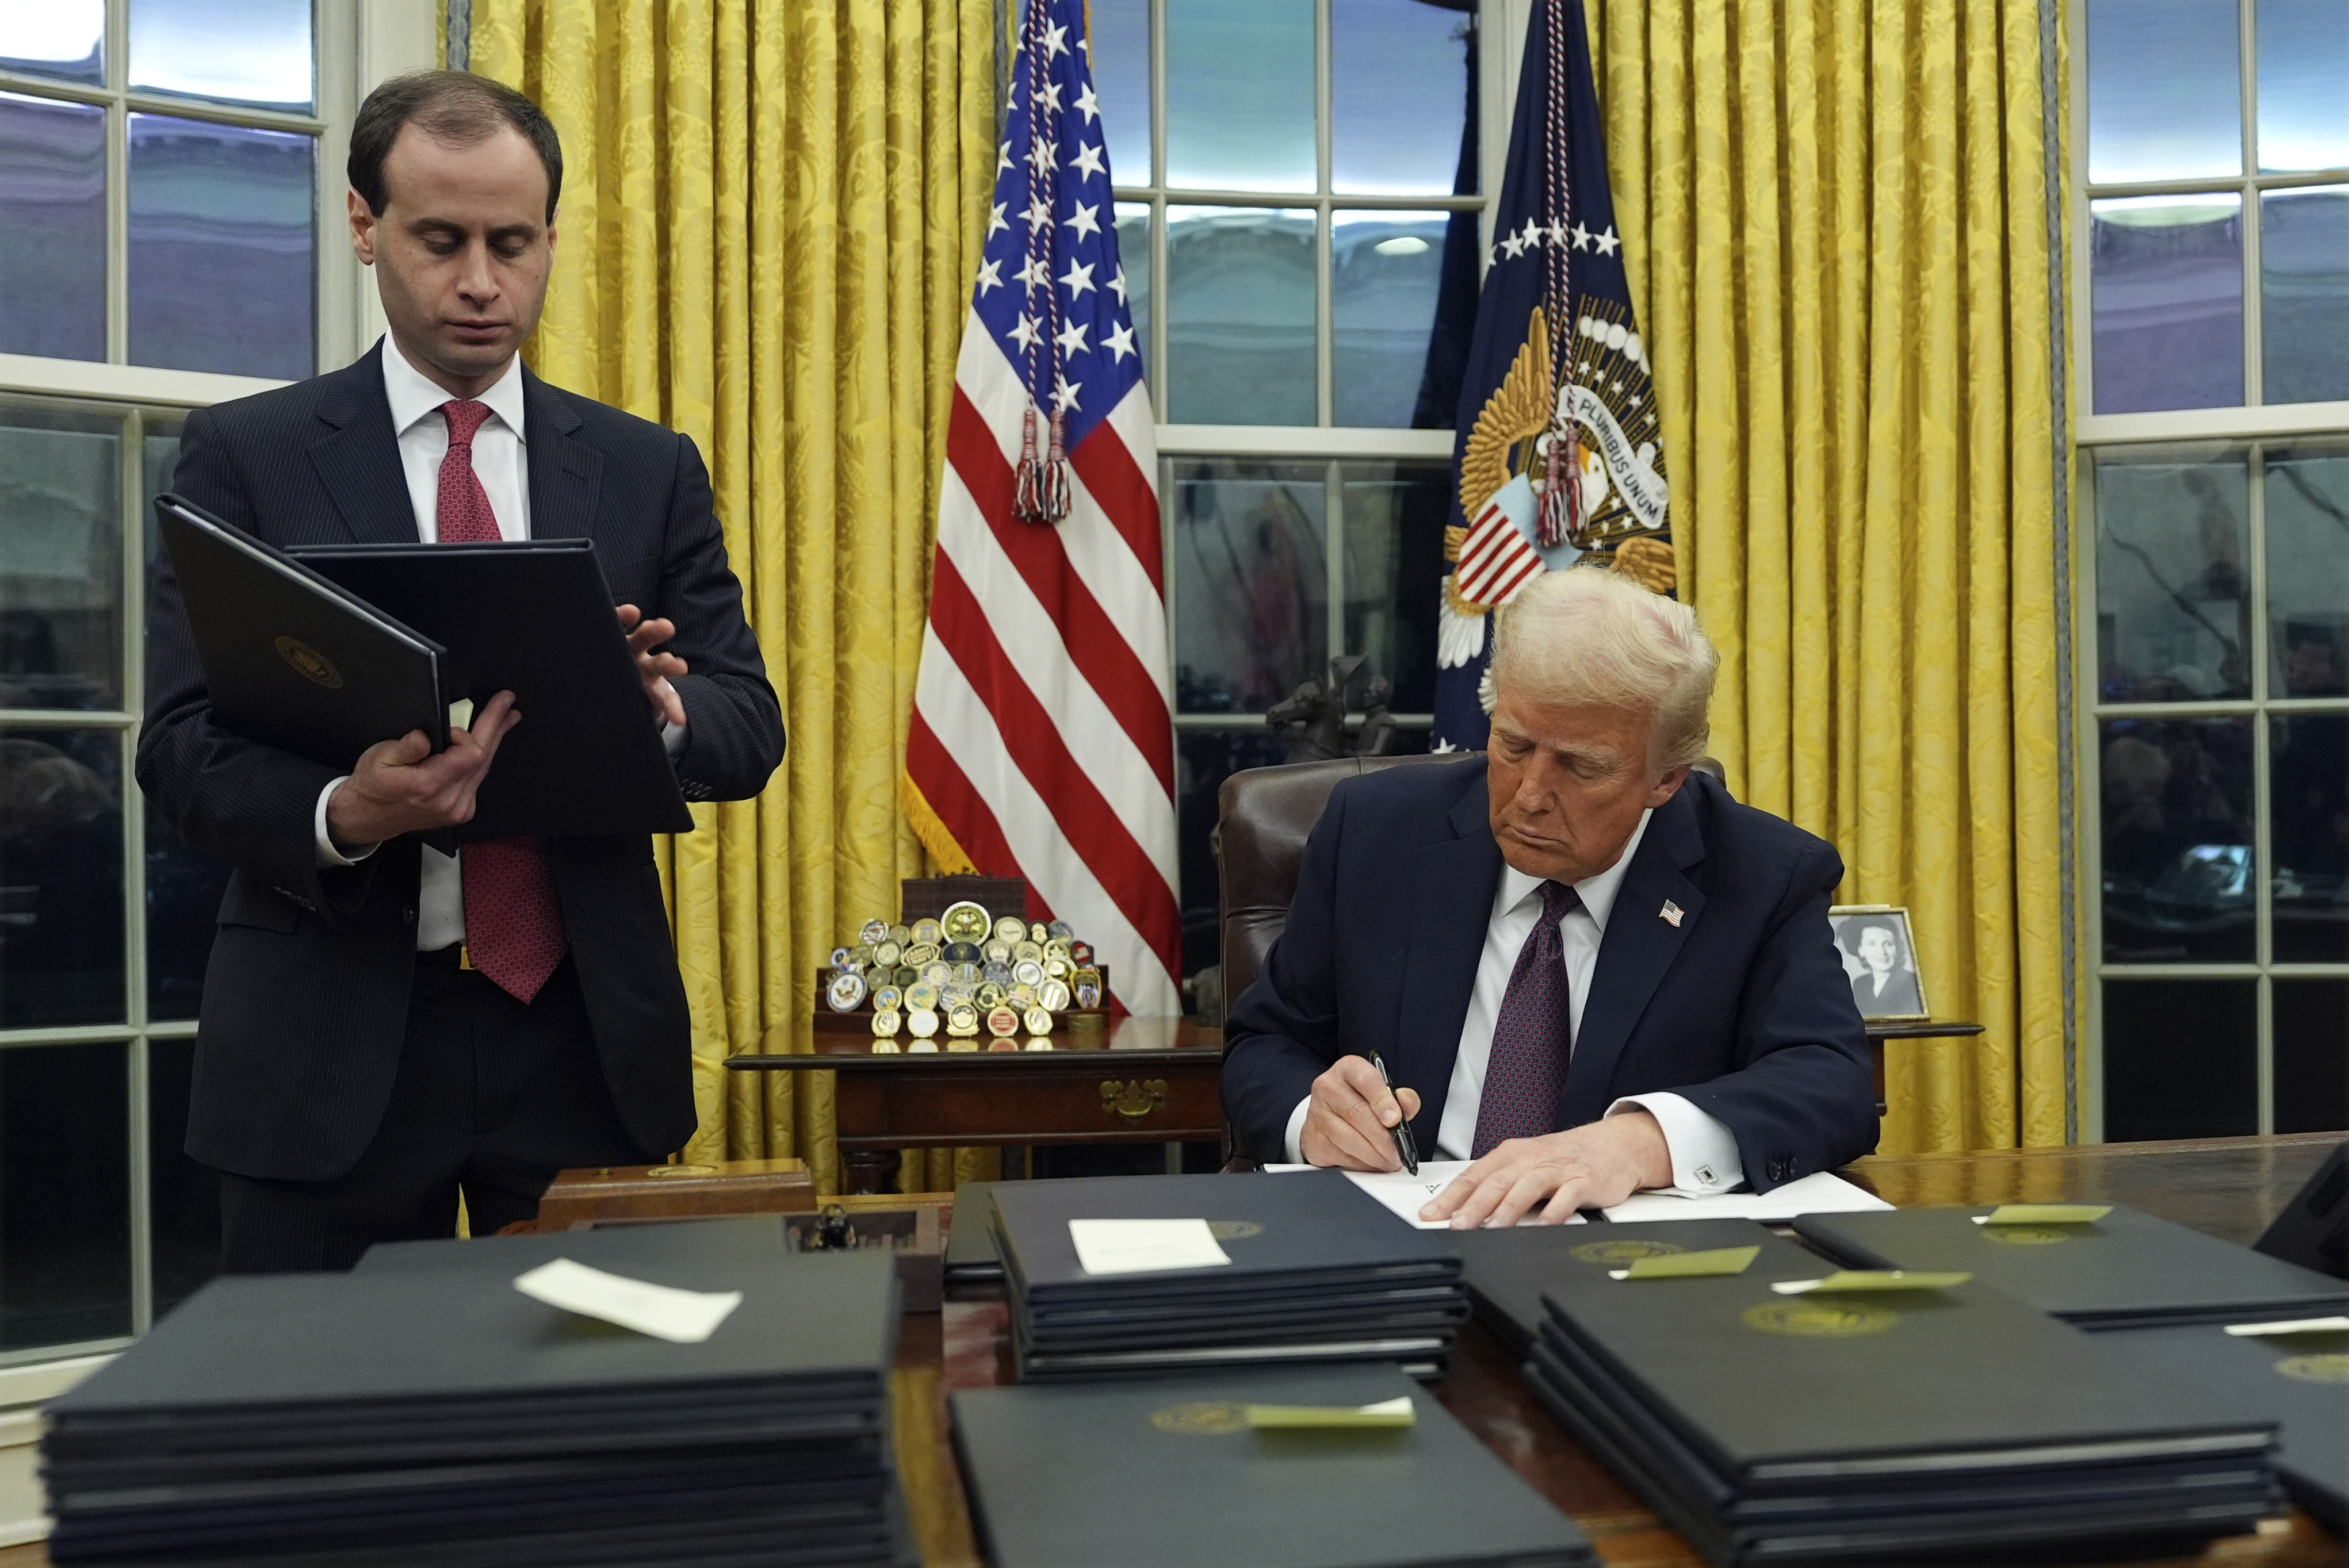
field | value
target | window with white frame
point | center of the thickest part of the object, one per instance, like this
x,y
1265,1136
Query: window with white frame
x,y
170,199
1299,208
2211,342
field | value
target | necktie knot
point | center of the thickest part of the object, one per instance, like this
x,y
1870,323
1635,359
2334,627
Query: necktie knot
x,y
465,418
1559,901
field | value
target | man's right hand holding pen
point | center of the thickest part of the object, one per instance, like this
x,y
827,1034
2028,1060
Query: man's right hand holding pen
x,y
1351,1117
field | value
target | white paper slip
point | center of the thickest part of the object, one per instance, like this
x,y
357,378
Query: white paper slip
x,y
680,1317
1143,1246
2297,1325
1405,1193
1821,1192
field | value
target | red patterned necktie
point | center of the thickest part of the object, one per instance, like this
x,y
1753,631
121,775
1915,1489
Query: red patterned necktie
x,y
513,926
1526,1072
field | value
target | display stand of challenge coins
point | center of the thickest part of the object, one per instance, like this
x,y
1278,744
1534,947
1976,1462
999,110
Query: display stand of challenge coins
x,y
966,979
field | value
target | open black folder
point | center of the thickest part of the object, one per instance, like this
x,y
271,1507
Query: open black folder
x,y
328,650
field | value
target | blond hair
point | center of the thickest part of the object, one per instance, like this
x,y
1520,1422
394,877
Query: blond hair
x,y
1590,636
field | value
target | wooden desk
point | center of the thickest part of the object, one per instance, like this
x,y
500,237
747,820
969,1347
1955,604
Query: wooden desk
x,y
1143,1080
2229,1187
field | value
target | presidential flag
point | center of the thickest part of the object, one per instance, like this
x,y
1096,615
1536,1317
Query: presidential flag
x,y
1556,385
1042,744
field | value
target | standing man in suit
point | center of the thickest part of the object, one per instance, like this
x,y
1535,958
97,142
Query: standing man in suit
x,y
385,1026
1594,970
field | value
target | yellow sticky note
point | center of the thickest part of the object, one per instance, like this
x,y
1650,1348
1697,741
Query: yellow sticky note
x,y
2044,1214
1688,1265
1395,1413
1872,1279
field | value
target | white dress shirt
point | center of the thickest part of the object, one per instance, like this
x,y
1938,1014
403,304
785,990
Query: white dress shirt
x,y
1703,1151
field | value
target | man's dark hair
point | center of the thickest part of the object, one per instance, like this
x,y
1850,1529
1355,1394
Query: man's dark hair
x,y
456,109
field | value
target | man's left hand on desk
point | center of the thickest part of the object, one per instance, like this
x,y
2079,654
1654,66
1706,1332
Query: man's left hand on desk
x,y
652,667
1594,1166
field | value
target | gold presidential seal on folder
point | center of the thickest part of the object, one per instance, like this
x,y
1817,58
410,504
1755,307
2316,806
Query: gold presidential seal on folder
x,y
1809,1319
309,663
1622,1252
2326,1368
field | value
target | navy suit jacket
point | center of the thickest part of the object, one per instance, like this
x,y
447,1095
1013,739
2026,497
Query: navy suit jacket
x,y
306,998
1743,1007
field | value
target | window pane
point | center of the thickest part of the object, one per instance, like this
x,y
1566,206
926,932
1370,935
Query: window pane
x,y
2311,1056
1395,516
61,38
222,231
60,560
1239,316
2173,598
1384,269
65,1194
2304,60
160,456
60,878
2178,876
2308,818
184,1196
1251,596
2166,278
2181,1058
2308,573
1120,53
1239,95
252,52
1403,92
1204,759
2164,98
2304,293
52,228
1133,260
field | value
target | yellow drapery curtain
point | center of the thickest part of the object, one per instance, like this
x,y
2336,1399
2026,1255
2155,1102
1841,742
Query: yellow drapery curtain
x,y
770,213
1836,213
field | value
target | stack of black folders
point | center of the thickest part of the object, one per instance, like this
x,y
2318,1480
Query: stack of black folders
x,y
2172,1294
1172,1473
420,1409
1320,1272
1875,1425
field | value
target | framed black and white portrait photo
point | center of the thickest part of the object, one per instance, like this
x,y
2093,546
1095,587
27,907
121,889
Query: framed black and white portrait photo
x,y
1880,961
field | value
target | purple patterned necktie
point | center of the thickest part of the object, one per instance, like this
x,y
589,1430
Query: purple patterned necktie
x,y
1526,1072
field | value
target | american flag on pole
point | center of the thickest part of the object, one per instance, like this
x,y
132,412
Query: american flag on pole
x,y
1042,744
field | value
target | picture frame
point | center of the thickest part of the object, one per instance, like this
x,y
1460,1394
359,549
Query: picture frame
x,y
1886,981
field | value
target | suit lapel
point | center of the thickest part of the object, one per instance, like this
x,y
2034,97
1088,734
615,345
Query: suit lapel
x,y
565,475
357,457
1638,947
1452,893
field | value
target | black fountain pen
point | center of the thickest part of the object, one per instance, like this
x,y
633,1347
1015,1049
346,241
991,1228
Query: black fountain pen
x,y
1404,1144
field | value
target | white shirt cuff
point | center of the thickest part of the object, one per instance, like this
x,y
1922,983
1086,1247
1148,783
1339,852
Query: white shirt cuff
x,y
1702,1150
327,854
1296,1135
673,737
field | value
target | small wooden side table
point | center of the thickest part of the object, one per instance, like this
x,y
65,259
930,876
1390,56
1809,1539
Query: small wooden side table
x,y
1879,1033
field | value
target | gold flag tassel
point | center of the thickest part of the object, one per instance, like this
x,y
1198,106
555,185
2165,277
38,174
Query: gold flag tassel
x,y
1041,493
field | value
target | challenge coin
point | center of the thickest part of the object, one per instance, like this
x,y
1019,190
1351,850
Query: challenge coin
x,y
1027,972
921,997
1011,928
840,959
918,954
873,933
963,1021
921,1023
1061,930
964,921
1085,988
988,995
885,1023
928,930
1002,1022
961,952
888,996
887,954
846,991
1053,996
1038,1021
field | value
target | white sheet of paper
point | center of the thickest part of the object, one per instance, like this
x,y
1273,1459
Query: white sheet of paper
x,y
680,1317
1405,1194
2297,1325
1140,1247
1821,1192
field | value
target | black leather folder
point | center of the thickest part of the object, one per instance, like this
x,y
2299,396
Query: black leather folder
x,y
1165,1475
1310,1228
645,1250
1506,1271
970,1245
2128,1269
533,617
2314,1229
291,658
2294,1380
1875,1389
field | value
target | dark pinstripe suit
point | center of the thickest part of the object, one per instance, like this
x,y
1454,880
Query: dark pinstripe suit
x,y
308,993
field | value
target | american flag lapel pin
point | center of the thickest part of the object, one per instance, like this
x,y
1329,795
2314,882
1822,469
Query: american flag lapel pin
x,y
1671,913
